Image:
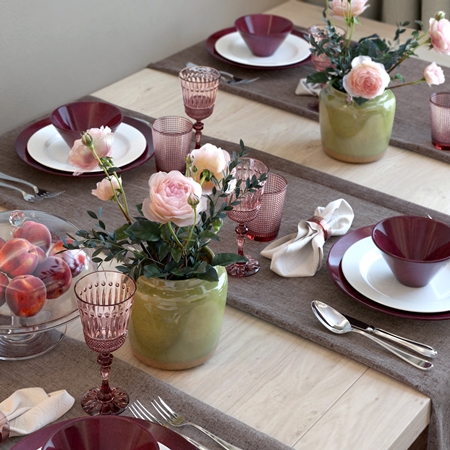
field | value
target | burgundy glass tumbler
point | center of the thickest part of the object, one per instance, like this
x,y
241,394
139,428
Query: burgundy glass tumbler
x,y
199,86
267,223
440,120
104,301
172,137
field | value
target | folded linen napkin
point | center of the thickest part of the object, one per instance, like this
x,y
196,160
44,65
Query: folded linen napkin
x,y
304,88
300,254
27,410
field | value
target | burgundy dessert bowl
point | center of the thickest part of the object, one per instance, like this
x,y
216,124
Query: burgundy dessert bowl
x,y
415,248
263,33
73,119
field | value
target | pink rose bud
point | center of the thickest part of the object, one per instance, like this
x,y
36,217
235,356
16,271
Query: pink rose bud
x,y
440,35
433,74
348,8
367,79
104,189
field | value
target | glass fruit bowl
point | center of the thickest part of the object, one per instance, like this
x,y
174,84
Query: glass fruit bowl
x,y
26,336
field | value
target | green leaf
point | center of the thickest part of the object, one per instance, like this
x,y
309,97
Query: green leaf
x,y
144,230
151,271
225,259
317,78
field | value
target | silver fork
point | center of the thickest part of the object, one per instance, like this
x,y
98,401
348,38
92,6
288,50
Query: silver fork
x,y
41,193
28,197
141,412
176,420
228,77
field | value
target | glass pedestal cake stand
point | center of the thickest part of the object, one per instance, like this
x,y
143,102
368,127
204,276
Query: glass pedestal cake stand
x,y
28,337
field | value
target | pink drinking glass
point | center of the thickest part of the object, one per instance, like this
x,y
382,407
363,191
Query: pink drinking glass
x,y
319,32
440,120
267,223
104,301
245,212
199,86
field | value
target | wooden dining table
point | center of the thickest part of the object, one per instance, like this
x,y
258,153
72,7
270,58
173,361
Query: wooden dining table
x,y
260,373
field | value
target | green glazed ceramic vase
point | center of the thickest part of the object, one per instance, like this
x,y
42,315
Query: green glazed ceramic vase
x,y
352,133
176,325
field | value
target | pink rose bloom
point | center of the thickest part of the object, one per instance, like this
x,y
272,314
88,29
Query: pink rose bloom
x,y
104,190
211,158
367,79
440,35
83,158
347,8
170,194
433,74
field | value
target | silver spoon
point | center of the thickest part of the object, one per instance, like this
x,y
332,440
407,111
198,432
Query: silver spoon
x,y
337,323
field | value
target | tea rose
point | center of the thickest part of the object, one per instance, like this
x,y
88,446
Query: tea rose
x,y
104,189
440,34
210,158
367,79
433,74
82,156
348,8
171,197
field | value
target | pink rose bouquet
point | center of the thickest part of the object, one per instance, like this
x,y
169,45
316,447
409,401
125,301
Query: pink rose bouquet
x,y
364,69
176,222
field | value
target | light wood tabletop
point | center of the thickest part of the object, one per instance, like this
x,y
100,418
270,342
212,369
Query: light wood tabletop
x,y
302,394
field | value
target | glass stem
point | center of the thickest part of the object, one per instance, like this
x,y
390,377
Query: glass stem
x,y
105,360
198,127
241,231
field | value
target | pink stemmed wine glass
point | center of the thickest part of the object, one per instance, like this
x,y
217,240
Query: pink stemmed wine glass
x,y
245,212
104,301
199,86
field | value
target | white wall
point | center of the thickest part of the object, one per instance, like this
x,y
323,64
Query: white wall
x,y
55,51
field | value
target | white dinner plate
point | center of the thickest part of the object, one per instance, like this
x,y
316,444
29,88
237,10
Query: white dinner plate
x,y
365,269
48,148
293,50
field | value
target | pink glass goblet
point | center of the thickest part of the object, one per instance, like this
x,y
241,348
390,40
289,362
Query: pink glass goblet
x,y
245,212
199,86
104,301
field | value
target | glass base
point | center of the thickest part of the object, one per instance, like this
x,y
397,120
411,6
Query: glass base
x,y
30,345
441,145
243,269
93,406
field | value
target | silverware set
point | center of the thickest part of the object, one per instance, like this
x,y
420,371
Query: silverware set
x,y
39,194
167,417
338,323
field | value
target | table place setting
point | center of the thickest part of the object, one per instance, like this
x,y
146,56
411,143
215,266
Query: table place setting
x,y
285,302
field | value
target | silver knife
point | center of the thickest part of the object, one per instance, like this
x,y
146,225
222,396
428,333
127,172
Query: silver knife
x,y
418,347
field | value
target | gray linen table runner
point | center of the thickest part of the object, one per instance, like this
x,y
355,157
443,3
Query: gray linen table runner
x,y
282,301
277,88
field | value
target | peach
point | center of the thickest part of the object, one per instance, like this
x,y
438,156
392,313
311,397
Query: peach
x,y
25,295
18,257
76,259
56,275
2,242
36,233
3,283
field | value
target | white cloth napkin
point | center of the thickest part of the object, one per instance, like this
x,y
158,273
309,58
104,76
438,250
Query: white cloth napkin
x,y
304,88
30,409
300,254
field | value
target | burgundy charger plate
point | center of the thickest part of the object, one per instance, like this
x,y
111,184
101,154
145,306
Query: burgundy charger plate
x,y
167,437
211,47
22,150
335,256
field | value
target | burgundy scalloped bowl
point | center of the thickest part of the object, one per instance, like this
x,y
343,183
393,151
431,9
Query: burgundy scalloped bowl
x,y
263,33
415,248
74,118
102,433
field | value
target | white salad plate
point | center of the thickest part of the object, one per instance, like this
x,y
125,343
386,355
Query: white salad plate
x,y
365,269
293,50
47,147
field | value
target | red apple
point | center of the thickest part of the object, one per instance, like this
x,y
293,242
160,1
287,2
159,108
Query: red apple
x,y
56,275
36,233
3,283
25,295
18,257
76,259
